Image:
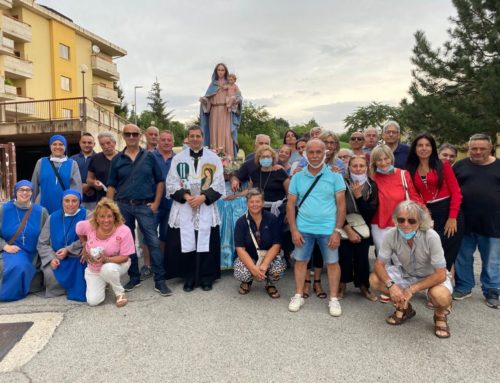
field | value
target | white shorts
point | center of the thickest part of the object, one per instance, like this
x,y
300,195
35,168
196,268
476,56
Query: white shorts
x,y
397,275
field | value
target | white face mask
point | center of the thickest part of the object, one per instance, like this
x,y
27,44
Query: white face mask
x,y
359,178
315,166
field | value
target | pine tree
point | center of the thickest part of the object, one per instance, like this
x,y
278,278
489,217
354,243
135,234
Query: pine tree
x,y
122,109
455,90
159,114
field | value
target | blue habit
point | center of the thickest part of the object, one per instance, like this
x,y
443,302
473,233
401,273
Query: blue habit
x,y
18,267
51,190
71,273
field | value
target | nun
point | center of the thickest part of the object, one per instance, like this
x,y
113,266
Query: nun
x,y
60,250
55,174
20,224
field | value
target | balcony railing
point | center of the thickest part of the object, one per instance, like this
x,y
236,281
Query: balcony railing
x,y
5,4
105,95
78,108
104,68
17,30
7,45
15,67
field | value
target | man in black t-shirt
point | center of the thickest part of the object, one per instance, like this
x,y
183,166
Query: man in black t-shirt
x,y
100,163
479,179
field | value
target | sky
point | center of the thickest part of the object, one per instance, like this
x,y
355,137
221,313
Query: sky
x,y
321,59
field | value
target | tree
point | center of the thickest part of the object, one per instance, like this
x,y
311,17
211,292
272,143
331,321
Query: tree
x,y
455,90
255,120
158,112
375,114
303,129
122,109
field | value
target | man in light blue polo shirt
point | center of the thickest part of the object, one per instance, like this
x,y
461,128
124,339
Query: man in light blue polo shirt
x,y
320,218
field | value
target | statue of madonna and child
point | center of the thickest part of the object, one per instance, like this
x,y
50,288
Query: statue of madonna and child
x,y
220,112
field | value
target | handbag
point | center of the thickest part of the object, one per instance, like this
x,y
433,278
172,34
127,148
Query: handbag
x,y
261,254
405,185
356,220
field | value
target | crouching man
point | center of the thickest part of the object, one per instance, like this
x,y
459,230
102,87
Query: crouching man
x,y
418,264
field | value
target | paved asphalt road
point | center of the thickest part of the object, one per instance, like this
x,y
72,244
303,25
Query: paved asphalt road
x,y
221,336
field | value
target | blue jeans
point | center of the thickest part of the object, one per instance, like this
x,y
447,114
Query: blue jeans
x,y
489,249
303,253
146,220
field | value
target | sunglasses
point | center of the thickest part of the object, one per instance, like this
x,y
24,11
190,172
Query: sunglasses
x,y
411,221
357,138
131,134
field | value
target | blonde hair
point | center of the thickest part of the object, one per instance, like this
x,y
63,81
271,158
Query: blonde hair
x,y
377,153
262,149
232,75
107,203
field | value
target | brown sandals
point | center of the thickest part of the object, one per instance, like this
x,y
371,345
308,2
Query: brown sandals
x,y
272,291
245,288
441,328
400,316
318,290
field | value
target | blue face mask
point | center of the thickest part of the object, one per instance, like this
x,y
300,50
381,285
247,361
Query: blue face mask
x,y
390,169
407,236
266,162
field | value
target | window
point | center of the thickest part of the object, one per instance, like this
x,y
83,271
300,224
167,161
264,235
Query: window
x,y
66,113
66,83
64,51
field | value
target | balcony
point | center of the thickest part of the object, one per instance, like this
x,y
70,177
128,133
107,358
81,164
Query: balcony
x,y
17,30
22,107
6,46
14,67
105,95
7,92
104,68
5,4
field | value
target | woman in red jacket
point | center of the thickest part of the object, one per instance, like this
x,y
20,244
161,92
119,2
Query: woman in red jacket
x,y
437,185
394,186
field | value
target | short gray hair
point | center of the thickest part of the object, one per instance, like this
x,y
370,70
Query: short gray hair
x,y
255,192
106,135
480,137
391,123
262,136
423,217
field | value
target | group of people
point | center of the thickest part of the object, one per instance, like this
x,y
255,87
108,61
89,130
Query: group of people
x,y
76,221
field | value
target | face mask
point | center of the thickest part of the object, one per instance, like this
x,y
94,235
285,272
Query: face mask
x,y
315,166
359,178
266,162
407,236
390,169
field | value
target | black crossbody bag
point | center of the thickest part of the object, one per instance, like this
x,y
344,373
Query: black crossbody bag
x,y
307,193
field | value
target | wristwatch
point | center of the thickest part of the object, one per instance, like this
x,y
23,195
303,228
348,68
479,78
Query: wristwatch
x,y
389,284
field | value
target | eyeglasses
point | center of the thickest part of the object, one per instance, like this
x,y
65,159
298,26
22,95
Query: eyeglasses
x,y
411,221
391,132
344,157
357,138
25,190
131,134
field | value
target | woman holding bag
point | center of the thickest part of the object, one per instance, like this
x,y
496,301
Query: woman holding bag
x,y
257,238
361,204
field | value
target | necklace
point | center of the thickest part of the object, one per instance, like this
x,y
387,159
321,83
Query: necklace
x,y
23,237
267,180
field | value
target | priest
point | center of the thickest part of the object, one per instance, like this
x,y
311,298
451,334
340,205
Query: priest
x,y
195,182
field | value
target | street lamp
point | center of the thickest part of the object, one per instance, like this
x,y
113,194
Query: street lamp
x,y
83,69
135,102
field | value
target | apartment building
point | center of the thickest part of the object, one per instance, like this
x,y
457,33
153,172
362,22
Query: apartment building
x,y
55,76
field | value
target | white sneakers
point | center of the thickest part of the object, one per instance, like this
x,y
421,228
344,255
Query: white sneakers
x,y
296,303
333,305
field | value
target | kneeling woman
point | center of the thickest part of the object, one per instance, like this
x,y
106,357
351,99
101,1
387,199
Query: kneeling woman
x,y
419,265
257,238
107,247
20,225
60,249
